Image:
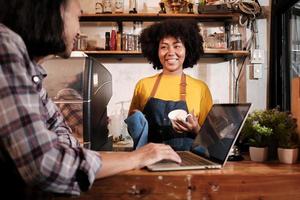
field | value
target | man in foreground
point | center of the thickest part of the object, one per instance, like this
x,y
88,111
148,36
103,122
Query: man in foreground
x,y
38,154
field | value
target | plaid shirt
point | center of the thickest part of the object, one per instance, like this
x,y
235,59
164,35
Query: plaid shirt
x,y
72,112
34,137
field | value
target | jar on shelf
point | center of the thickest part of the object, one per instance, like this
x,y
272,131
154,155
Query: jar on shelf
x,y
130,42
137,29
106,4
81,43
235,38
98,7
103,7
119,6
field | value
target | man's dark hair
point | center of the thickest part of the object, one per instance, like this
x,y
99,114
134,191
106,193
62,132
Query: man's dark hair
x,y
38,22
184,29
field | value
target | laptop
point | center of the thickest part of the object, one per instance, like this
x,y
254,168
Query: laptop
x,y
211,147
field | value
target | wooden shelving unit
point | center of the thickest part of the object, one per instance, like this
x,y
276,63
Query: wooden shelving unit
x,y
103,52
210,53
157,17
226,54
150,17
114,54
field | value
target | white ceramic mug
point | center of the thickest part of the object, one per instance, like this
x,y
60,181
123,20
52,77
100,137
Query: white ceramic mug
x,y
178,114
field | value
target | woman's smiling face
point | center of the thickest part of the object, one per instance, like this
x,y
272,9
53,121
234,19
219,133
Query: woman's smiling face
x,y
171,53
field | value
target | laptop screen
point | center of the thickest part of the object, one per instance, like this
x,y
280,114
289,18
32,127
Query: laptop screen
x,y
220,130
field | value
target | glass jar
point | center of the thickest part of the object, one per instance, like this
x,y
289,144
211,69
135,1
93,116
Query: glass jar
x,y
235,38
106,6
81,43
119,6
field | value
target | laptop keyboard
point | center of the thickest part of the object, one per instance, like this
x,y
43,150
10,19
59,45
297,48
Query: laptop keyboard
x,y
190,160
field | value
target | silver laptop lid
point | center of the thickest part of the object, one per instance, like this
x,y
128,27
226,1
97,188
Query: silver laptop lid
x,y
220,131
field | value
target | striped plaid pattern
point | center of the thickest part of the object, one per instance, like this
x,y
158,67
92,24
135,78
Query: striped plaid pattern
x,y
72,112
32,130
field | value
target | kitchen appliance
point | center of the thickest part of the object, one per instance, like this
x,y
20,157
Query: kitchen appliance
x,y
82,87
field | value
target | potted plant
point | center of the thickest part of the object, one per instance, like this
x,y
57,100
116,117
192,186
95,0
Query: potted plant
x,y
257,136
287,139
283,127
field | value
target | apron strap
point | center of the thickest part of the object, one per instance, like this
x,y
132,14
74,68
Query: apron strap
x,y
155,85
182,86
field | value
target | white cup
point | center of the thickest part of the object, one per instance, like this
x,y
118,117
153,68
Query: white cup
x,y
178,114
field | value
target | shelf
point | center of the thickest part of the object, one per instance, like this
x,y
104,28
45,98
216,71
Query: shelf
x,y
157,17
150,17
209,53
225,51
114,54
104,52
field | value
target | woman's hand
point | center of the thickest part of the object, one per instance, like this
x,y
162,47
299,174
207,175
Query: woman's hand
x,y
190,125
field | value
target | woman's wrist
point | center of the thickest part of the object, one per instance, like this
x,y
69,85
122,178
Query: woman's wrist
x,y
196,130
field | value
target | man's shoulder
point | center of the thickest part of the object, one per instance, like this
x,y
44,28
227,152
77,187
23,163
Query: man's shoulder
x,y
10,41
7,33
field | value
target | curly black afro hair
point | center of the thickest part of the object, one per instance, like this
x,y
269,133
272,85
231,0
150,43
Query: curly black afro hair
x,y
186,30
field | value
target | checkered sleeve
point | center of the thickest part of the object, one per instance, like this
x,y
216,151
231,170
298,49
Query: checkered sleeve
x,y
32,130
72,112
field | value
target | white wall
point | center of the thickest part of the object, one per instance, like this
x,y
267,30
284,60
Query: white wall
x,y
215,72
127,72
257,89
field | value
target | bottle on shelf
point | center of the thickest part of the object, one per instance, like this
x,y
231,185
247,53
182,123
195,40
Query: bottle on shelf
x,y
123,41
107,40
113,39
119,41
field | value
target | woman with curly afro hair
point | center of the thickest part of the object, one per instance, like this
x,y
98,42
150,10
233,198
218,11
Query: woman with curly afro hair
x,y
170,45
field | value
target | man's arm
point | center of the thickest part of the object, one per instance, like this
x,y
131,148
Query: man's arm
x,y
116,162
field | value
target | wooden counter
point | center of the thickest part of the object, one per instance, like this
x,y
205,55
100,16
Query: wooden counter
x,y
237,180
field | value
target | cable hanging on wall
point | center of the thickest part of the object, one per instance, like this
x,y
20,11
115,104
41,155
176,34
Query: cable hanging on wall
x,y
250,10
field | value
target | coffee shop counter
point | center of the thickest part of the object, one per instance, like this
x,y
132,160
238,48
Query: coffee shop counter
x,y
237,180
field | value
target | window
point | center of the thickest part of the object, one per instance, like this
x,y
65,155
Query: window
x,y
284,52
